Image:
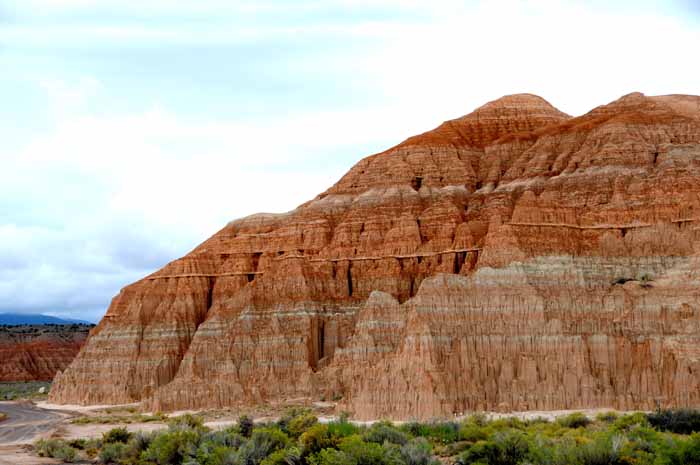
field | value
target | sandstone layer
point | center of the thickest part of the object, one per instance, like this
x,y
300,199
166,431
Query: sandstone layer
x,y
515,258
38,352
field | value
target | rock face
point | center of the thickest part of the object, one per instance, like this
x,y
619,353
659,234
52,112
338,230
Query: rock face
x,y
515,258
38,352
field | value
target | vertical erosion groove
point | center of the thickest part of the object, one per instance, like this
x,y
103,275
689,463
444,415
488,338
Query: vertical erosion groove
x,y
349,279
459,261
321,339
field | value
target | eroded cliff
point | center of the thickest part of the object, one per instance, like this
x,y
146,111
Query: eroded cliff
x,y
38,352
514,258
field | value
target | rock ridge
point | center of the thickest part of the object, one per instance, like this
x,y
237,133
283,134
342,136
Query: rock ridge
x,y
514,258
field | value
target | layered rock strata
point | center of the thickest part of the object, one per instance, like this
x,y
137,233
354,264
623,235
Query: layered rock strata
x,y
38,352
515,258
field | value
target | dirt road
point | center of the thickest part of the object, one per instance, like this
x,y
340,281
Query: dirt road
x,y
25,422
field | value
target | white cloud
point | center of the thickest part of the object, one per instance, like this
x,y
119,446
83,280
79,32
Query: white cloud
x,y
99,197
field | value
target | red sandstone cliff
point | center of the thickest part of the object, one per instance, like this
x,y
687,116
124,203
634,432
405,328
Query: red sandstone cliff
x,y
38,352
515,258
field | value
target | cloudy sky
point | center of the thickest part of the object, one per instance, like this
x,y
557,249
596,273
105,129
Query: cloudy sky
x,y
130,131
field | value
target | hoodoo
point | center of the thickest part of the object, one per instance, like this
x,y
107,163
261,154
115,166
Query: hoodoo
x,y
515,258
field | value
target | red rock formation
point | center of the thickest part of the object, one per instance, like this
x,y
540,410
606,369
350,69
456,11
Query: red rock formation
x,y
37,352
515,258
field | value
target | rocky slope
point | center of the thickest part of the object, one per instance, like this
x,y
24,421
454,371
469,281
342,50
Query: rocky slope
x,y
37,352
515,258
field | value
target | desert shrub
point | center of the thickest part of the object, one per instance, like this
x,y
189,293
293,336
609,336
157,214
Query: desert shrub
x,y
289,456
418,452
172,447
607,417
681,421
454,448
47,447
262,443
385,432
245,424
548,451
627,422
575,420
505,448
113,453
210,453
601,451
343,428
440,432
290,414
227,438
331,457
186,421
368,453
472,433
317,438
79,444
57,449
116,435
66,454
688,453
300,423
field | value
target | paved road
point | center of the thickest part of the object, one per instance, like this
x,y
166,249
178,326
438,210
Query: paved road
x,y
25,422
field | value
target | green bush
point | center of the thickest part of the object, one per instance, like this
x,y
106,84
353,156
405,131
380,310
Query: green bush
x,y
343,428
289,456
689,453
472,433
439,432
626,422
681,421
113,453
385,432
602,451
172,447
607,417
317,438
66,454
575,420
262,443
245,425
116,435
57,449
331,457
505,448
187,421
418,452
368,453
300,423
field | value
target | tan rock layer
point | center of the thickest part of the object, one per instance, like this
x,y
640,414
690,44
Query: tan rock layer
x,y
513,258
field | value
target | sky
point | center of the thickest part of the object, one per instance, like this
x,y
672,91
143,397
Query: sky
x,y
130,131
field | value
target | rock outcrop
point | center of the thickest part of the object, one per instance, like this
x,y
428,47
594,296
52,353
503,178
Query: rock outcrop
x,y
38,352
515,258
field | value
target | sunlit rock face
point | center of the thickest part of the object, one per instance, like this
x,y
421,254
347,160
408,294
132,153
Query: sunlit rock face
x,y
515,258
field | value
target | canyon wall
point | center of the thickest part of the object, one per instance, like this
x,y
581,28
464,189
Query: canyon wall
x,y
38,352
515,258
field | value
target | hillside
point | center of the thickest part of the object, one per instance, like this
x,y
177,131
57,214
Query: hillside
x,y
37,352
516,258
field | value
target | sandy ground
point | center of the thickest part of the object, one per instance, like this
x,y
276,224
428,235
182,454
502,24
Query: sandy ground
x,y
80,408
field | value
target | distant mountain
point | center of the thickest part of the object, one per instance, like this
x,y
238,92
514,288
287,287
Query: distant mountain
x,y
36,319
